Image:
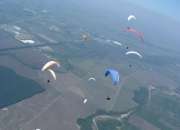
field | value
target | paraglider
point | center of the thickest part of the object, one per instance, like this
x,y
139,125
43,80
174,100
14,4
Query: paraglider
x,y
131,17
135,32
91,79
134,53
114,74
48,67
85,101
85,37
117,43
50,64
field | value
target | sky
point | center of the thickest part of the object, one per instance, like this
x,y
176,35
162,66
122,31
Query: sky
x,y
166,7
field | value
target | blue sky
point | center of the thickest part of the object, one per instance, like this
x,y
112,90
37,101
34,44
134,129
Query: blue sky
x,y
166,7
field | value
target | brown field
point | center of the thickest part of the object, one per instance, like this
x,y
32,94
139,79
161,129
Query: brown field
x,y
141,123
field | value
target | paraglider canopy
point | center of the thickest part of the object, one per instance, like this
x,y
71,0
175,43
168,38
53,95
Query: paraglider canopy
x,y
138,34
114,74
134,53
52,73
91,79
85,101
131,17
48,67
50,64
85,37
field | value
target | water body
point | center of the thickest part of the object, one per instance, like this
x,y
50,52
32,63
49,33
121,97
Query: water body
x,y
15,88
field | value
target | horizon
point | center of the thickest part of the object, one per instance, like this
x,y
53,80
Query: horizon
x,y
169,8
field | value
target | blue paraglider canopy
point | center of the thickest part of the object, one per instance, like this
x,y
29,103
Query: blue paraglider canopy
x,y
114,74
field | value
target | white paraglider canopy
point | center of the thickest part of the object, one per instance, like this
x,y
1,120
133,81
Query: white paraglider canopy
x,y
50,64
131,17
52,73
91,79
134,53
85,101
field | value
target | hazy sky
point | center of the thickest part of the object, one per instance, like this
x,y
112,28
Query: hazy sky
x,y
167,7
